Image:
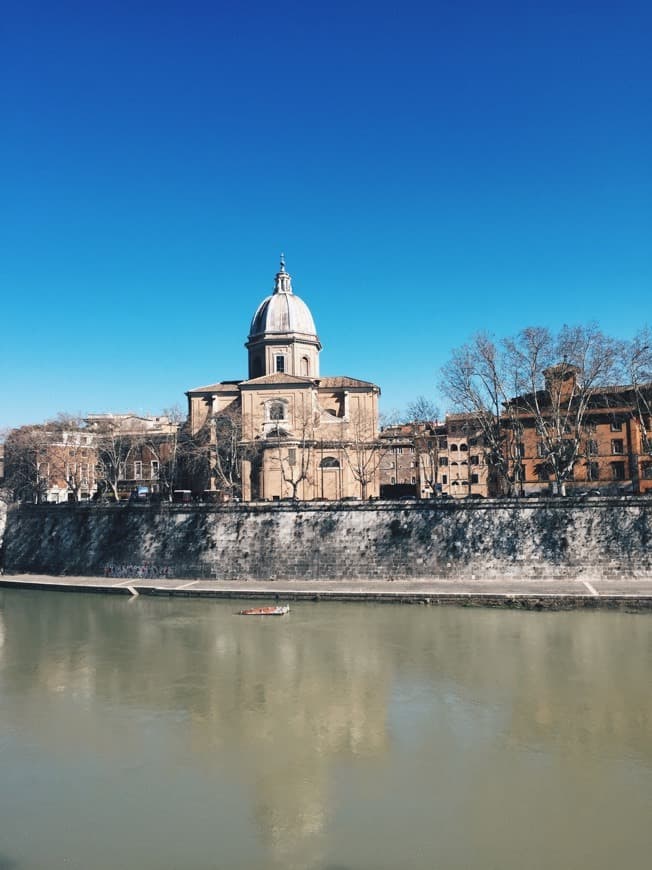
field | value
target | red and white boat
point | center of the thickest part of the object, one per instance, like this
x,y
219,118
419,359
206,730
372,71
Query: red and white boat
x,y
279,610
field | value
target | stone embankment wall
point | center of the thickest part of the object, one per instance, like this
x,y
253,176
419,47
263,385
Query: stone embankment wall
x,y
356,541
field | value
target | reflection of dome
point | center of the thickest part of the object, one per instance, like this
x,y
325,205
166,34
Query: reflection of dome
x,y
283,312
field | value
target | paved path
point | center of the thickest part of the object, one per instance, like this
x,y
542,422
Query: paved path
x,y
546,594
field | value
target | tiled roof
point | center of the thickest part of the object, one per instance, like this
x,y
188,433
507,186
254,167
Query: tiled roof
x,y
221,387
618,390
344,381
456,418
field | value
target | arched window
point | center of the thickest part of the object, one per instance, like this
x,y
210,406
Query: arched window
x,y
453,447
329,462
463,447
305,366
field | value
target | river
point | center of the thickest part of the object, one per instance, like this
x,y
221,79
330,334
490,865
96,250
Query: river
x,y
171,734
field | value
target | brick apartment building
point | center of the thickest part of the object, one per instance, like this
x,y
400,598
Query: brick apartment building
x,y
434,459
615,449
610,442
110,454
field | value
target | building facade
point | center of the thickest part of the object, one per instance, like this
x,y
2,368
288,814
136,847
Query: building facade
x,y
613,437
559,441
103,455
433,459
286,431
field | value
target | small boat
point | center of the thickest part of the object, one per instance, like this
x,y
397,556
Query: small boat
x,y
280,610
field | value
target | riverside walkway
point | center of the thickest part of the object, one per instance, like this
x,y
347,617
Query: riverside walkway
x,y
634,594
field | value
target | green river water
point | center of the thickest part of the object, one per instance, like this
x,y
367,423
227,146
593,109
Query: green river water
x,y
156,734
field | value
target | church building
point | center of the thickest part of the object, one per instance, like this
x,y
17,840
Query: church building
x,y
299,435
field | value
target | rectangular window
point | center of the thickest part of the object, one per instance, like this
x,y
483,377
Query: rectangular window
x,y
616,426
646,468
474,460
444,478
155,468
443,461
280,363
414,480
592,447
292,455
520,450
617,446
542,472
592,471
474,478
398,450
541,450
618,470
138,470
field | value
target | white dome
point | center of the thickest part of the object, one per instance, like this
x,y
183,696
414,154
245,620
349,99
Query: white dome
x,y
282,313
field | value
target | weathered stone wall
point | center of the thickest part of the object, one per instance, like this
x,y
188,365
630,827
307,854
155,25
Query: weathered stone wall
x,y
528,539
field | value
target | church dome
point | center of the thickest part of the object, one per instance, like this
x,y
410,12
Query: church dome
x,y
283,313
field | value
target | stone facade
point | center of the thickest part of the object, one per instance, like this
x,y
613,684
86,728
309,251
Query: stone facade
x,y
519,539
301,436
434,459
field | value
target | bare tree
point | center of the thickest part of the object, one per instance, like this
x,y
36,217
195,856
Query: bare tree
x,y
422,414
479,380
363,451
637,363
71,454
115,446
167,448
534,378
295,448
558,380
226,450
422,410
26,467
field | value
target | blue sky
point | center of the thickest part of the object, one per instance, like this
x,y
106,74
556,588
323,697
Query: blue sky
x,y
430,170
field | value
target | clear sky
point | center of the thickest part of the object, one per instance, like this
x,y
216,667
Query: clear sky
x,y
430,169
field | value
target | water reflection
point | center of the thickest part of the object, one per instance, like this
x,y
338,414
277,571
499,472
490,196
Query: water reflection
x,y
291,719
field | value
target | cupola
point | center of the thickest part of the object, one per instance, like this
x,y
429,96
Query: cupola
x,y
282,335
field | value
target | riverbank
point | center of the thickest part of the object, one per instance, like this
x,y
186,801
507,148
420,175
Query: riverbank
x,y
631,595
389,542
